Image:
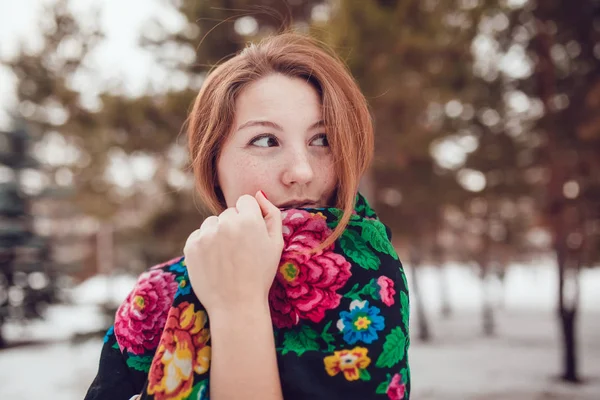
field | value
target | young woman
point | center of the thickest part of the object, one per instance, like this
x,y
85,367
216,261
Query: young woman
x,y
292,290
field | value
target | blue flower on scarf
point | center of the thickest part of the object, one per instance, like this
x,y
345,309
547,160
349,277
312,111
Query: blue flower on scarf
x,y
178,267
184,286
183,280
361,323
110,331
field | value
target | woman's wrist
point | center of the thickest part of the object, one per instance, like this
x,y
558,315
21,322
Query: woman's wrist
x,y
239,338
228,316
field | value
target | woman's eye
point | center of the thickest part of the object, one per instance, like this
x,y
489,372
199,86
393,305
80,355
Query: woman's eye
x,y
265,141
321,141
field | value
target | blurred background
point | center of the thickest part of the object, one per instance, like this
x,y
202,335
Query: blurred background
x,y
487,170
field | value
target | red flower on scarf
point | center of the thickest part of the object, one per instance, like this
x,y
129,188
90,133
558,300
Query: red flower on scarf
x,y
140,318
386,290
396,388
306,284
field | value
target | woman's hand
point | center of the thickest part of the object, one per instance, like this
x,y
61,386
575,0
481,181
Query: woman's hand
x,y
233,258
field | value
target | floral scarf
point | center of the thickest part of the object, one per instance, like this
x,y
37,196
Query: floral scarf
x,y
340,320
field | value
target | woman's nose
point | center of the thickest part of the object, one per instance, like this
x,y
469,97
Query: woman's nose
x,y
298,169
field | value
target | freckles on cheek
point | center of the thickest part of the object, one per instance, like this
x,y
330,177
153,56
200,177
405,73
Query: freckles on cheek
x,y
261,178
328,172
249,176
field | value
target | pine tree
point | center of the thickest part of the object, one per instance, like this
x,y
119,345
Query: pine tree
x,y
27,283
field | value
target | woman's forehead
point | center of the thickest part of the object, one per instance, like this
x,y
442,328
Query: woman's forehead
x,y
277,100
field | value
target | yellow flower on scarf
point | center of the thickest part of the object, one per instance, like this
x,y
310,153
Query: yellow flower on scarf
x,y
183,350
349,362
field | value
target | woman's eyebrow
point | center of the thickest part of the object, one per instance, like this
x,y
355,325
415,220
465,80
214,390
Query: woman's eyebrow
x,y
260,122
270,124
318,124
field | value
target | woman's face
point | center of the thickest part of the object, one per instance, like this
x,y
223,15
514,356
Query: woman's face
x,y
278,144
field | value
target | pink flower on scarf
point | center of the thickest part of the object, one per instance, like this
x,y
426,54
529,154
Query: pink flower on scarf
x,y
142,316
386,290
305,285
396,388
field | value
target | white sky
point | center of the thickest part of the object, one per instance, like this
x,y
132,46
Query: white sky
x,y
118,60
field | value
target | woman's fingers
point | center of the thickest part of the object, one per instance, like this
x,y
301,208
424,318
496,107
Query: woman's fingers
x,y
228,218
271,215
210,224
248,206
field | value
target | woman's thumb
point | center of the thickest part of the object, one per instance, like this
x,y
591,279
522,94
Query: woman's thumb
x,y
271,215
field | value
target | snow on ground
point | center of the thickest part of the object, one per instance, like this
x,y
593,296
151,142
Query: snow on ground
x,y
57,371
520,362
63,321
100,289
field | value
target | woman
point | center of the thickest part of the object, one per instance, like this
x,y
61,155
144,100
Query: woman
x,y
292,290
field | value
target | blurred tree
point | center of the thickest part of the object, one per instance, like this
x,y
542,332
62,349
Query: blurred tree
x,y
494,168
541,151
27,279
47,102
566,80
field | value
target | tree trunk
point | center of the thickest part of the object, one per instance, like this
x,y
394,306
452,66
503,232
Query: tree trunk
x,y
437,255
483,260
446,310
567,312
489,324
487,307
423,325
501,275
570,373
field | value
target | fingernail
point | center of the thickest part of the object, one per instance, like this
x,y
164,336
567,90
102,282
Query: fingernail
x,y
263,193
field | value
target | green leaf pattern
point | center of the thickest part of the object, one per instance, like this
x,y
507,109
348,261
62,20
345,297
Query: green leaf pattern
x,y
383,386
393,349
299,341
140,363
373,231
405,310
369,290
357,250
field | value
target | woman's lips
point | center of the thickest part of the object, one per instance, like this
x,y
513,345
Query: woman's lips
x,y
299,205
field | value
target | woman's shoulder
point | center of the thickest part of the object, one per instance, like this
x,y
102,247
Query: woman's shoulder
x,y
142,315
176,264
